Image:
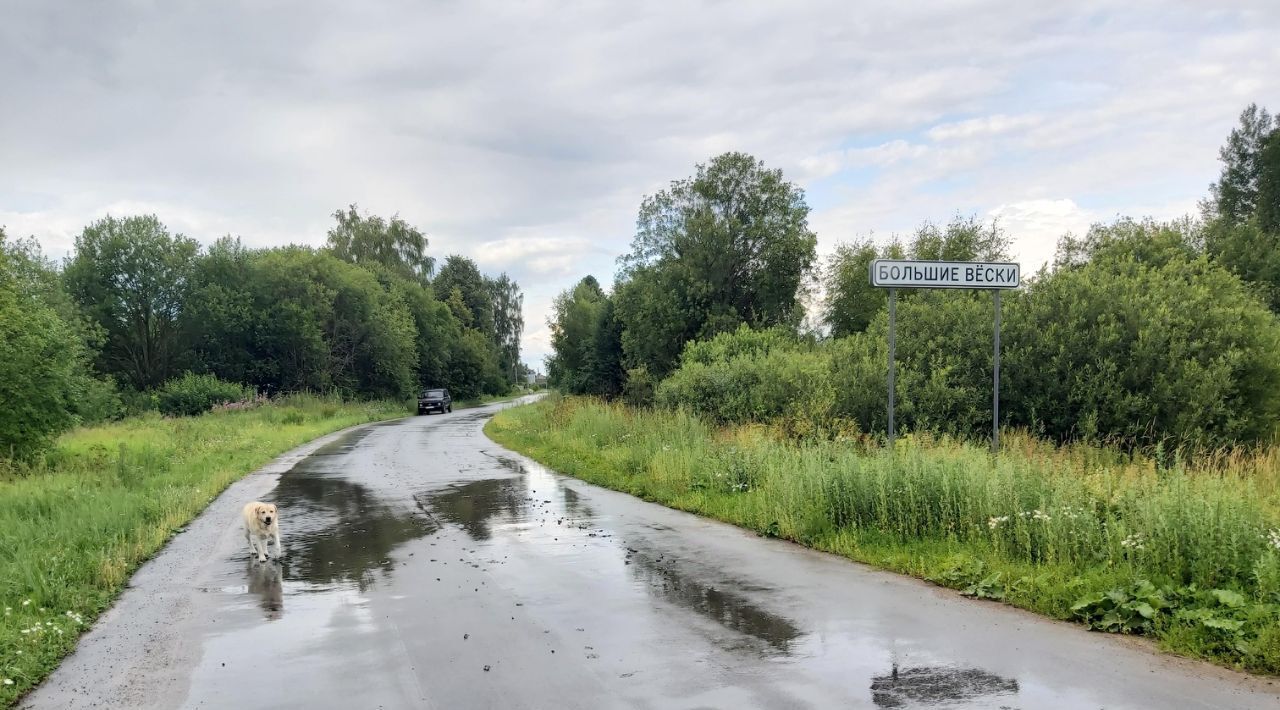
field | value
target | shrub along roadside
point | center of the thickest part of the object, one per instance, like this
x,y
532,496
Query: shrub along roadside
x,y
193,394
76,523
1188,555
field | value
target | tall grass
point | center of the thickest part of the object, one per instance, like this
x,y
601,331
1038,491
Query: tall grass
x,y
1052,529
74,525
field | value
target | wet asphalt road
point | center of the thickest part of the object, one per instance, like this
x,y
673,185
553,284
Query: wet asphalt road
x,y
427,567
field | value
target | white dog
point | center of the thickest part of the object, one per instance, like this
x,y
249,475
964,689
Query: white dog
x,y
262,525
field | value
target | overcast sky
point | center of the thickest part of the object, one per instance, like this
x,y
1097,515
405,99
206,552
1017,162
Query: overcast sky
x,y
525,134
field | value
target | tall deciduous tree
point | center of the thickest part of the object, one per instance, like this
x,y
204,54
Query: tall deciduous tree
x,y
42,360
1234,196
462,273
508,322
574,323
131,277
851,301
1268,205
607,375
963,239
370,239
729,245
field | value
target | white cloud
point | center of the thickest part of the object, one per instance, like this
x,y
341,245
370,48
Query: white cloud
x,y
1035,226
882,155
979,127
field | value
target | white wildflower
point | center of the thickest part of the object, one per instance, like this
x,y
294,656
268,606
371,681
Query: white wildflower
x,y
26,602
1040,515
995,521
9,681
1134,542
1274,538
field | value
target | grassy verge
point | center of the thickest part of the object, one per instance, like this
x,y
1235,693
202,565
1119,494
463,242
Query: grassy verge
x,y
1186,553
74,526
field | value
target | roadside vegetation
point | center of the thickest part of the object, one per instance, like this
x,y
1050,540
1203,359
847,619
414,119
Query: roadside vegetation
x,y
76,521
1138,486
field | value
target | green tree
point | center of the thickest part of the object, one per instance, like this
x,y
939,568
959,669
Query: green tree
x,y
1250,253
220,313
1268,204
321,323
729,245
963,239
851,300
43,362
437,330
292,305
508,322
1235,194
1145,241
131,276
462,273
369,239
472,367
608,375
574,322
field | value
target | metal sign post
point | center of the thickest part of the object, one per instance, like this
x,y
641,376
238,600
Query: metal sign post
x,y
896,273
893,318
995,385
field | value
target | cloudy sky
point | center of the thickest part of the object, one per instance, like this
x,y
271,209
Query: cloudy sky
x,y
525,134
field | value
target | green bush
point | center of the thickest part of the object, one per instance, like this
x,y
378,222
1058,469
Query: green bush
x,y
1142,353
749,376
41,371
638,391
194,394
99,402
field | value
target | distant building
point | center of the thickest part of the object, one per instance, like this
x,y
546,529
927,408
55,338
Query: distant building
x,y
530,378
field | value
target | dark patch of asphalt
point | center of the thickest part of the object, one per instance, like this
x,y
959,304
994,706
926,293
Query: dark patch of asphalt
x,y
427,567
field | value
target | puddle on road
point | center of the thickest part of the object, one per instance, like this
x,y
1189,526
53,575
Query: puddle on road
x,y
478,505
723,606
940,686
537,501
277,618
338,535
338,531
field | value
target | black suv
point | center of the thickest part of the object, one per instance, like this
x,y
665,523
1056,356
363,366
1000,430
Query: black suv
x,y
435,400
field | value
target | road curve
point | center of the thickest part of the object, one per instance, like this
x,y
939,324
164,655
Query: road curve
x,y
427,567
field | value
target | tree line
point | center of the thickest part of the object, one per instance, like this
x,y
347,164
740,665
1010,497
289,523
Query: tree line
x,y
135,306
1139,332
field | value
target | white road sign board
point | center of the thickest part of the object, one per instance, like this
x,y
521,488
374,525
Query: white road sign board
x,y
898,273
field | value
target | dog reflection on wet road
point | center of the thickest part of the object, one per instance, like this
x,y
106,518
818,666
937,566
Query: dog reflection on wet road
x,y
267,582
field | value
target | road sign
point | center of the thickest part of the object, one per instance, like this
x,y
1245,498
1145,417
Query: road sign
x,y
894,274
898,273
